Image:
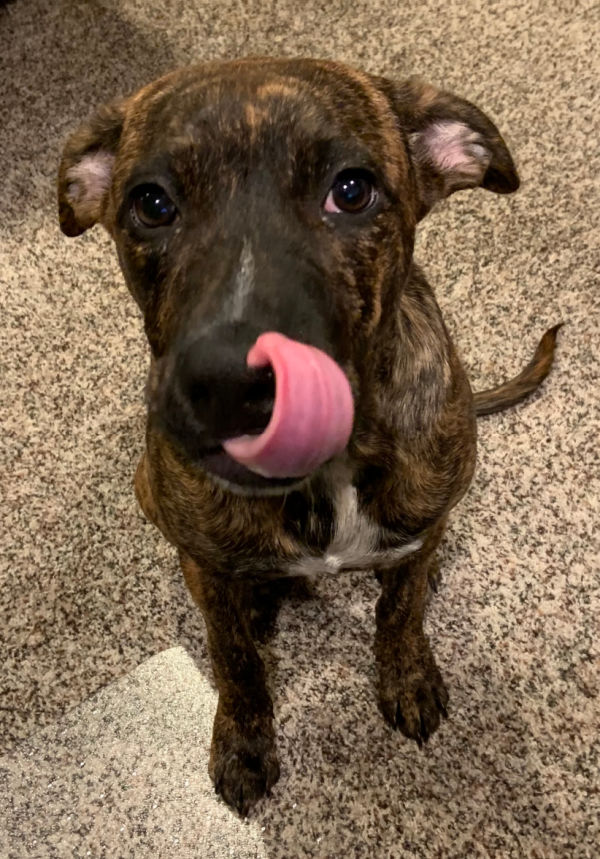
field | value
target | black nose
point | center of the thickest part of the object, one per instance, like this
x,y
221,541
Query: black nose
x,y
211,395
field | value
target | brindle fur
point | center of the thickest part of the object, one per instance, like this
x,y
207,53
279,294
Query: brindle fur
x,y
412,452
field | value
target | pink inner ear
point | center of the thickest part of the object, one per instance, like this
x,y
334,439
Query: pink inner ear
x,y
89,179
455,149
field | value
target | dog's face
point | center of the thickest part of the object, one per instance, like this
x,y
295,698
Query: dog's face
x,y
266,196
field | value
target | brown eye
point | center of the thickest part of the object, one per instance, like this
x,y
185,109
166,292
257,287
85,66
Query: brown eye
x,y
152,207
353,191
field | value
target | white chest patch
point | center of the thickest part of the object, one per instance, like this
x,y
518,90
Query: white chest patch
x,y
355,542
356,535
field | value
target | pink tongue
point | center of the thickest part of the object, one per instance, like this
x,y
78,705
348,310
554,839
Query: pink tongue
x,y
312,415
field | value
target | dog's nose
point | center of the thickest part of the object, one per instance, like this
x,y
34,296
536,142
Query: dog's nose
x,y
212,395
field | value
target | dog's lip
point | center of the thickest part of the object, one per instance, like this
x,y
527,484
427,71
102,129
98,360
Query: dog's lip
x,y
217,463
214,461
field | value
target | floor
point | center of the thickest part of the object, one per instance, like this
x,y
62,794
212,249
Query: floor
x,y
89,591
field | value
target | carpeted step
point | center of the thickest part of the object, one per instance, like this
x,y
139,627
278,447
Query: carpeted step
x,y
125,774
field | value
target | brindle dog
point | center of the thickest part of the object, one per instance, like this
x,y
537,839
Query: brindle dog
x,y
283,195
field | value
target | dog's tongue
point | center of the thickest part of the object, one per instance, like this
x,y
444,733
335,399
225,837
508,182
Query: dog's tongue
x,y
312,413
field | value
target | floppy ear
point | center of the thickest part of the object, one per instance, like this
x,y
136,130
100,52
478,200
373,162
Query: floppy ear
x,y
85,171
452,143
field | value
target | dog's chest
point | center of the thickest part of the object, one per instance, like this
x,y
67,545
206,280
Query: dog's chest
x,y
355,534
357,541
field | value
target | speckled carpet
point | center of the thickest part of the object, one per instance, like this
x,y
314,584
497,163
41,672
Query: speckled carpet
x,y
89,592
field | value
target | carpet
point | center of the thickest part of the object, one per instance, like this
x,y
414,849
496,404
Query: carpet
x,y
89,592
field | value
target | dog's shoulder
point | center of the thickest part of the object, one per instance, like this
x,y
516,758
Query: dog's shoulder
x,y
415,435
414,374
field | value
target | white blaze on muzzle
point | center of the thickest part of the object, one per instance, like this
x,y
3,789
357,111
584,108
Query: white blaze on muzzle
x,y
244,284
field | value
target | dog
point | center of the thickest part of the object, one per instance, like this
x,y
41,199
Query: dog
x,y
307,410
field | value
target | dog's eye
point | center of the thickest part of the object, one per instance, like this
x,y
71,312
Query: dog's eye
x,y
353,191
152,206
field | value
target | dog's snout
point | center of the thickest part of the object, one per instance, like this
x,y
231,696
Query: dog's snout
x,y
228,397
211,395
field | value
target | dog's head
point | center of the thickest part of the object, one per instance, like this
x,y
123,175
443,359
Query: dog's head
x,y
275,198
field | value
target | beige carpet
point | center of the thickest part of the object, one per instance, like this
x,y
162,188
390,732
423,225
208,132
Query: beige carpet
x,y
88,591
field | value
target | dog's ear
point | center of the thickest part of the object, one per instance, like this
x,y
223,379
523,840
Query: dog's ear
x,y
86,167
453,144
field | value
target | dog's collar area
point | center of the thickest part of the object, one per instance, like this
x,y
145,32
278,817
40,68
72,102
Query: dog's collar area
x,y
314,566
328,564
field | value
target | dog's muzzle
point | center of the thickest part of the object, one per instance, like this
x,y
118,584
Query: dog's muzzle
x,y
267,416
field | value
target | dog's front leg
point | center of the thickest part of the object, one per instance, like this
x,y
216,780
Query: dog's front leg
x,y
412,694
243,760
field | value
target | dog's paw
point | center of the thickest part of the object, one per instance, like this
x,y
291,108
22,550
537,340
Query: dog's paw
x,y
412,694
243,767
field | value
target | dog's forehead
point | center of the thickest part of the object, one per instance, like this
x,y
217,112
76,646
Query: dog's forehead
x,y
301,88
234,106
257,101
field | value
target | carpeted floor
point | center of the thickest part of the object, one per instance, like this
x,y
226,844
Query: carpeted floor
x,y
88,591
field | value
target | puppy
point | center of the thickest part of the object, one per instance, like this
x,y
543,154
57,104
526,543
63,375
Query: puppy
x,y
307,410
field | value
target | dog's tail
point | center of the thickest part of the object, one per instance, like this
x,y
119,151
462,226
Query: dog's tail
x,y
528,380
